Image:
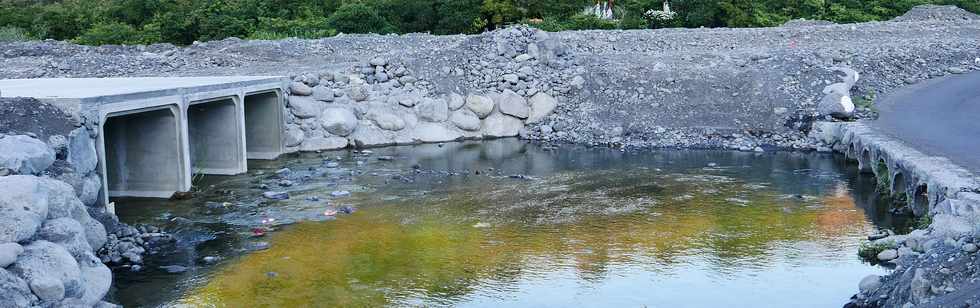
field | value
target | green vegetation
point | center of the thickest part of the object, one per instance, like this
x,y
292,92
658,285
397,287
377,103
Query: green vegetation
x,y
869,251
186,21
12,34
884,180
923,222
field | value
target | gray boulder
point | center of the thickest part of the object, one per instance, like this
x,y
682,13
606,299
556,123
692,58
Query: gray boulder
x,y
323,94
500,125
304,107
836,105
338,121
386,120
465,119
49,268
300,89
23,207
293,136
359,93
9,253
480,105
455,101
81,151
542,105
869,283
25,155
68,233
512,104
433,110
14,291
18,225
91,187
96,279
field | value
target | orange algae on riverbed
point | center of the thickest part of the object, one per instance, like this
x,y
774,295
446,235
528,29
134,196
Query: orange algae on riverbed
x,y
441,248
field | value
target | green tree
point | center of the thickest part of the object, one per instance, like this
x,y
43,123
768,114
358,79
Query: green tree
x,y
358,17
110,33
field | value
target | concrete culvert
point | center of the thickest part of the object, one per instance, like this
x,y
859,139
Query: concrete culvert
x,y
899,185
920,201
263,114
143,153
216,137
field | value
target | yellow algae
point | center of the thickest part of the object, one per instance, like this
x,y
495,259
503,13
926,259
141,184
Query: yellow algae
x,y
440,249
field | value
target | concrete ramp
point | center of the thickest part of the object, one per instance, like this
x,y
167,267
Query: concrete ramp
x,y
155,133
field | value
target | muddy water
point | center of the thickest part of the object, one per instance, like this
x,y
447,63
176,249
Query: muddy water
x,y
506,223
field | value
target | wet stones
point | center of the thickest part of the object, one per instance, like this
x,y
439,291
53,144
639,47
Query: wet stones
x,y
276,195
887,255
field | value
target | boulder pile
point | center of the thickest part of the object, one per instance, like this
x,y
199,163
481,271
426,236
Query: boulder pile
x,y
381,101
48,240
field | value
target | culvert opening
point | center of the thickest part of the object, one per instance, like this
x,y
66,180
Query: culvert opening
x,y
866,161
214,137
920,201
143,153
899,186
263,125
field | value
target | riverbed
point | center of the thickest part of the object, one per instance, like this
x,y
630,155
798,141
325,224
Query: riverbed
x,y
517,224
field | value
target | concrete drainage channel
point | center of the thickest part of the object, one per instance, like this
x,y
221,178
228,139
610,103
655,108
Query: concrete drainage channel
x,y
156,133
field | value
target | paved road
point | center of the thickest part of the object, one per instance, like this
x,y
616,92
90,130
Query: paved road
x,y
939,117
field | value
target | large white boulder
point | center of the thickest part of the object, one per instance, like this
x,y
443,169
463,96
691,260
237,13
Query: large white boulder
x,y
512,104
501,125
465,119
542,105
338,121
433,110
480,105
304,107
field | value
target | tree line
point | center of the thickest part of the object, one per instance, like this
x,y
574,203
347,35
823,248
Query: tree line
x,y
96,22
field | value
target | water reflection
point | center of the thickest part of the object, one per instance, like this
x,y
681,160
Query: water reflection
x,y
578,227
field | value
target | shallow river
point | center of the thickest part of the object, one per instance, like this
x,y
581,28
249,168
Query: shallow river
x,y
507,223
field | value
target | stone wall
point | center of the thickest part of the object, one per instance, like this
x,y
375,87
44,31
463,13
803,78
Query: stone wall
x,y
48,239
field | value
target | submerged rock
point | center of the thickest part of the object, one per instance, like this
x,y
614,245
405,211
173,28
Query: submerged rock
x,y
276,195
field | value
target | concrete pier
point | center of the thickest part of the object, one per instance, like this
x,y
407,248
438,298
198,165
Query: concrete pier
x,y
155,133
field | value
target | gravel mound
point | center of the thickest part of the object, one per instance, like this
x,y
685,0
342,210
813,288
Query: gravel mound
x,y
802,22
930,12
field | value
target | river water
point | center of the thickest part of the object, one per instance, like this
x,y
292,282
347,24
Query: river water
x,y
509,223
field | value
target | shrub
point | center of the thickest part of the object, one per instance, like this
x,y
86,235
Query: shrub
x,y
869,251
278,28
110,33
357,17
13,34
589,21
